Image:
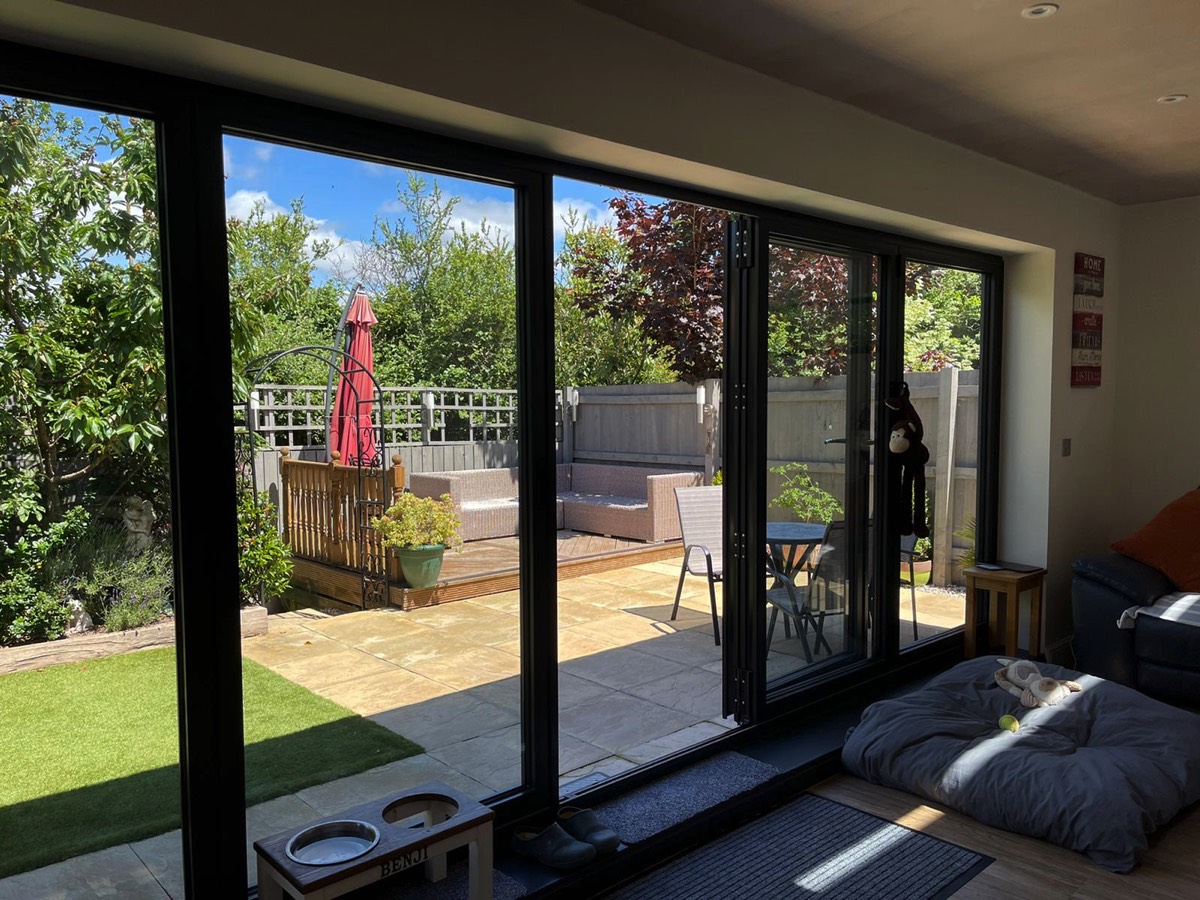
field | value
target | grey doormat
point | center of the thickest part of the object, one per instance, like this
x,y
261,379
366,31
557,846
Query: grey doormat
x,y
657,806
814,847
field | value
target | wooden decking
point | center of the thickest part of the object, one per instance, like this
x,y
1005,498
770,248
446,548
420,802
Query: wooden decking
x,y
483,568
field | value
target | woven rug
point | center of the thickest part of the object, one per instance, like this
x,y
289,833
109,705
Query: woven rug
x,y
815,848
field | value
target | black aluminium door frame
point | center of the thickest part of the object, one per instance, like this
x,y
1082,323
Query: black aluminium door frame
x,y
748,243
196,331
333,133
195,111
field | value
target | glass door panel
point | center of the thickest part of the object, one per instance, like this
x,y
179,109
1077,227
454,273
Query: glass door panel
x,y
376,372
818,528
942,351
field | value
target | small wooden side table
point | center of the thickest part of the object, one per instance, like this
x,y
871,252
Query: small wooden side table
x,y
1004,585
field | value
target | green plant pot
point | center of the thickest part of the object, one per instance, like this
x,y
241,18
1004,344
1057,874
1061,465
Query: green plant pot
x,y
421,565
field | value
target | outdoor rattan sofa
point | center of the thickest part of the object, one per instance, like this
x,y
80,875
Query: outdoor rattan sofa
x,y
621,501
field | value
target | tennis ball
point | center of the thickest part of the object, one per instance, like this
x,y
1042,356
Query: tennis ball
x,y
1009,723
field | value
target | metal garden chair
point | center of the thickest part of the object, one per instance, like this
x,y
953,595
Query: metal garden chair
x,y
702,524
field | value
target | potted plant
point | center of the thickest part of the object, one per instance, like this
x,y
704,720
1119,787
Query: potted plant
x,y
800,493
420,529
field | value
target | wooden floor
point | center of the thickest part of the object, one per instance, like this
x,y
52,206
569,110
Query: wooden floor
x,y
1031,869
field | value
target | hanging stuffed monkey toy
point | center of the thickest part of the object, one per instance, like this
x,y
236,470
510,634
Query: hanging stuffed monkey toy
x,y
904,443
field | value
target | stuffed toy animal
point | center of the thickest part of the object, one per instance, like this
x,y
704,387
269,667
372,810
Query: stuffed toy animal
x,y
904,443
1024,680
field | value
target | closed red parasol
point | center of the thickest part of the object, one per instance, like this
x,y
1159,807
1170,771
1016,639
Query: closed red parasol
x,y
351,430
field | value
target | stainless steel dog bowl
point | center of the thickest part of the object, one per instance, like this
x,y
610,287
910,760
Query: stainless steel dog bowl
x,y
330,843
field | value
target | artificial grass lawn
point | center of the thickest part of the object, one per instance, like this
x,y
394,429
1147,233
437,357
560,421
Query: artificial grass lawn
x,y
89,751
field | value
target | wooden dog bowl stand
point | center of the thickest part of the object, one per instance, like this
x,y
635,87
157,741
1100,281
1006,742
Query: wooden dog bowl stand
x,y
452,820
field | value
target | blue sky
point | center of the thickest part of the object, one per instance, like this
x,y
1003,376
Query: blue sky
x,y
345,196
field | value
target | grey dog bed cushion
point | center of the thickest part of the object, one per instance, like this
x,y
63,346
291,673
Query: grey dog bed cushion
x,y
1097,773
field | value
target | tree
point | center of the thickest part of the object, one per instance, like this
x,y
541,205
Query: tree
x,y
81,368
808,313
669,279
596,346
271,294
943,310
445,297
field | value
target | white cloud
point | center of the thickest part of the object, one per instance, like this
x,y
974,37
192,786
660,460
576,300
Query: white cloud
x,y
584,209
228,158
379,170
475,212
263,152
242,203
340,260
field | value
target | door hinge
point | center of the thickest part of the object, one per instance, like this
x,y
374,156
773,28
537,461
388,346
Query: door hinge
x,y
744,684
744,243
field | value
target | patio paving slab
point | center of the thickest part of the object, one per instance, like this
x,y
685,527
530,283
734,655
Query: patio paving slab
x,y
692,691
378,693
672,743
608,767
508,602
445,720
621,668
576,612
274,648
619,721
344,665
694,647
463,619
362,629
115,872
410,651
468,668
624,629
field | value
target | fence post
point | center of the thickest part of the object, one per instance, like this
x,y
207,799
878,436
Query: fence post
x,y
570,407
285,495
712,429
943,491
426,417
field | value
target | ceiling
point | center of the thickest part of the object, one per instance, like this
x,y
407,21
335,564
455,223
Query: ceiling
x,y
1071,96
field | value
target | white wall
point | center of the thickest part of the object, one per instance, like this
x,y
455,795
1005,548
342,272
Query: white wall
x,y
564,80
1158,432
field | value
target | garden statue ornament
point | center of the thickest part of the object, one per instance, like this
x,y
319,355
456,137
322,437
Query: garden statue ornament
x,y
904,442
139,522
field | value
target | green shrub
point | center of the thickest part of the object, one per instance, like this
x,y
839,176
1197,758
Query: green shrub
x,y
414,521
130,612
33,605
803,496
264,560
126,590
29,613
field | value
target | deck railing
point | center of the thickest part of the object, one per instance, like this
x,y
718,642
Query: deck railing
x,y
326,509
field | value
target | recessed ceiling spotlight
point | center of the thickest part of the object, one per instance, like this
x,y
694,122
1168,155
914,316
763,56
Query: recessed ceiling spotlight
x,y
1040,11
1172,98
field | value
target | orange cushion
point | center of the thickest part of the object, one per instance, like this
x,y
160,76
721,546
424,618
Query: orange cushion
x,y
1170,542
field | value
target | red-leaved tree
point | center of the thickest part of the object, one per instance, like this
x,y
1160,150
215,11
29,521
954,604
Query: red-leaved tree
x,y
671,279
